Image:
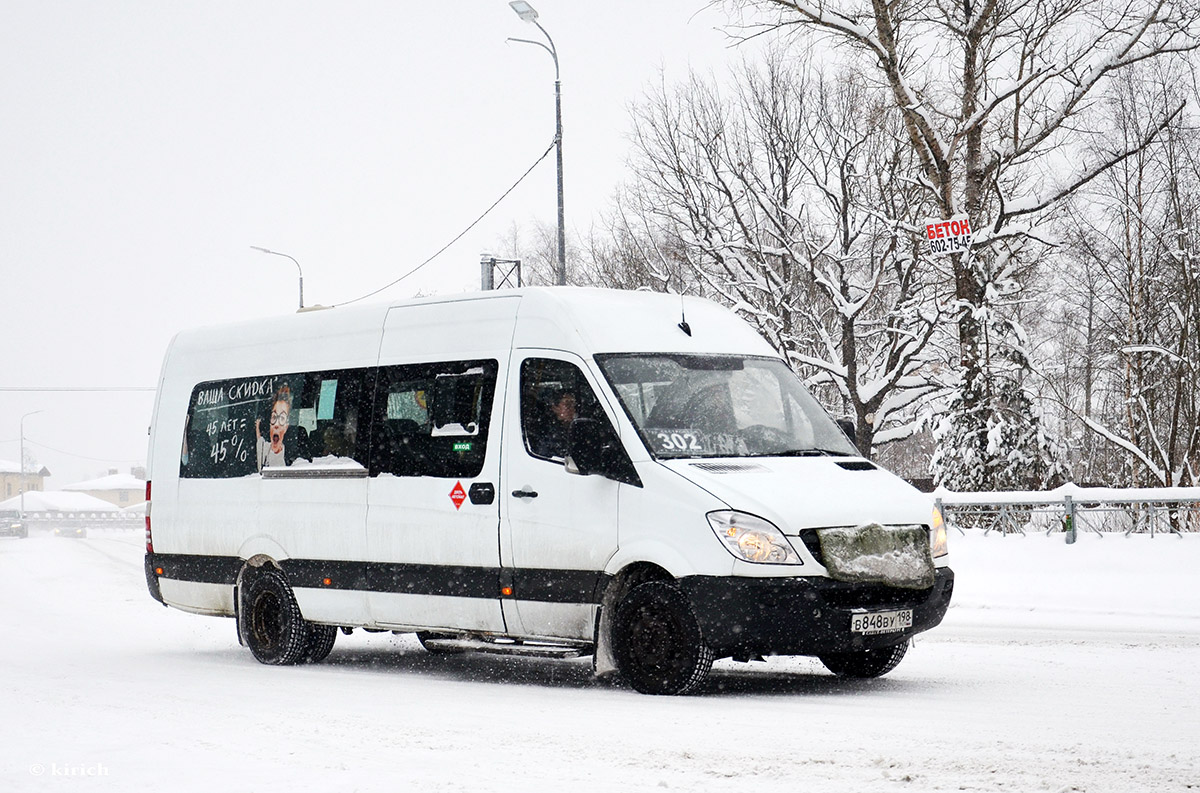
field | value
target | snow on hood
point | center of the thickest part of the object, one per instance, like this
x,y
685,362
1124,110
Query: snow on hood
x,y
798,493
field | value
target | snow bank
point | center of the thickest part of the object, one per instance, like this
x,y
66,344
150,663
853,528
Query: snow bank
x,y
1102,584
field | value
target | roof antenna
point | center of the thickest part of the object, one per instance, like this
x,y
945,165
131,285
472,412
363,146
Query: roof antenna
x,y
683,323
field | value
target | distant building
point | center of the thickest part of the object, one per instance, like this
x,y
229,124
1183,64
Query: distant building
x,y
123,490
10,479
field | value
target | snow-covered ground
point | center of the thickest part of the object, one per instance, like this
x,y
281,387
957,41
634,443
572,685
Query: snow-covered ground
x,y
1058,668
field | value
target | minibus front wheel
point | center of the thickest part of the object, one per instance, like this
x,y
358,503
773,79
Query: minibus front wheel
x,y
657,642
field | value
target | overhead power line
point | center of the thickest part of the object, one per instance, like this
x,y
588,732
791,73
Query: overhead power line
x,y
461,234
82,456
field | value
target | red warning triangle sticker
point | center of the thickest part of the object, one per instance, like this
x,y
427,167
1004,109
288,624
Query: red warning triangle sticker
x,y
458,495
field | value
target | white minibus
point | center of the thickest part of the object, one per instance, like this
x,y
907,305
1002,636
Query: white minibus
x,y
634,476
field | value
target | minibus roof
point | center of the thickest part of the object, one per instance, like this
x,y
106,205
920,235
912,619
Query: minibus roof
x,y
582,320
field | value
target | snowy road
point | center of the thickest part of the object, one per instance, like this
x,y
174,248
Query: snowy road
x,y
1058,668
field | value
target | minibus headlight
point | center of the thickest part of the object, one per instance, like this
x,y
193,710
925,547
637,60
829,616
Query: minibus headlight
x,y
752,538
937,535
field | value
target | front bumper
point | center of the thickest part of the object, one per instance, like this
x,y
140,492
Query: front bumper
x,y
805,615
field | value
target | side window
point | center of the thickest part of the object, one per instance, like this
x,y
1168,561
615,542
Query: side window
x,y
432,419
324,422
553,394
245,426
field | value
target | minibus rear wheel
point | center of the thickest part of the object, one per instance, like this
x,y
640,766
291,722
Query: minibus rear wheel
x,y
273,627
865,663
657,642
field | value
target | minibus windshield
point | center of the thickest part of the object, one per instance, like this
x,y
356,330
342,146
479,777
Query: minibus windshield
x,y
721,406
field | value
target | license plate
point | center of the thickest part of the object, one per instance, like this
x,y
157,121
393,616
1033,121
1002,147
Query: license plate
x,y
881,621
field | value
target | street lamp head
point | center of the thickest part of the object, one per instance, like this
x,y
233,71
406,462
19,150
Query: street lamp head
x,y
525,11
299,271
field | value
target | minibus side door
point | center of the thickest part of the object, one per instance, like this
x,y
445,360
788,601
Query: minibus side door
x,y
433,513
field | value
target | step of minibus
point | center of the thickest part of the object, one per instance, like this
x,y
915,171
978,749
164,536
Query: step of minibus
x,y
527,649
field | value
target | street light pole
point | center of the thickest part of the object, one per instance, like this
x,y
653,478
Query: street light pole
x,y
301,272
21,484
528,14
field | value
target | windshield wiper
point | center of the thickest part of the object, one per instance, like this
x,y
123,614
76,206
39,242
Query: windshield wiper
x,y
806,453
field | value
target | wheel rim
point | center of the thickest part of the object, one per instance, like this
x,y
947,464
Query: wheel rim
x,y
656,647
267,620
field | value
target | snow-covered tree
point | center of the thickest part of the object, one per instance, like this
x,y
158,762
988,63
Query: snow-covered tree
x,y
1136,230
994,98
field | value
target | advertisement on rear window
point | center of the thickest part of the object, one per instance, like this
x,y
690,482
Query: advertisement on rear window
x,y
250,425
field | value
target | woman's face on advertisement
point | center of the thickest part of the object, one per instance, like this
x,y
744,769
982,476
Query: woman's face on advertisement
x,y
280,416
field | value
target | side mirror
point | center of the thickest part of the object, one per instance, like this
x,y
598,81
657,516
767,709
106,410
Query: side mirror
x,y
847,426
593,448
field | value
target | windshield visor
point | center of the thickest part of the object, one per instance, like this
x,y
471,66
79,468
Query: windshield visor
x,y
721,406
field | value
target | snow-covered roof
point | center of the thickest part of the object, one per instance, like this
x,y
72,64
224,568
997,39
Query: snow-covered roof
x,y
9,467
135,509
59,501
110,482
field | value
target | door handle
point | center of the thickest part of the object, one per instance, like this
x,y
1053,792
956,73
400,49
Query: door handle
x,y
525,493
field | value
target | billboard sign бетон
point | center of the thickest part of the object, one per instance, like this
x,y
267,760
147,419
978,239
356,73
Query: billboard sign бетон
x,y
948,236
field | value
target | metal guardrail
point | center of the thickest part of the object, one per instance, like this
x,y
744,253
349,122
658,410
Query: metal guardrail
x,y
1070,509
86,520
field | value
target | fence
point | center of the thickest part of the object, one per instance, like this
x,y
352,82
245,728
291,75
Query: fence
x,y
1071,509
85,520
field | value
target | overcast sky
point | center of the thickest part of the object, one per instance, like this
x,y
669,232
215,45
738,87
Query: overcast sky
x,y
145,146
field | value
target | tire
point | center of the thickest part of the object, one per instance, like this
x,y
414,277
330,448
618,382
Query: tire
x,y
865,663
657,642
320,643
271,623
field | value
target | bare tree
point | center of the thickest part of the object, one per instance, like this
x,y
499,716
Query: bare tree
x,y
536,246
626,251
1136,232
789,201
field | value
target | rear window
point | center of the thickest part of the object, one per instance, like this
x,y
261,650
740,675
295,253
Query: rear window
x,y
243,426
